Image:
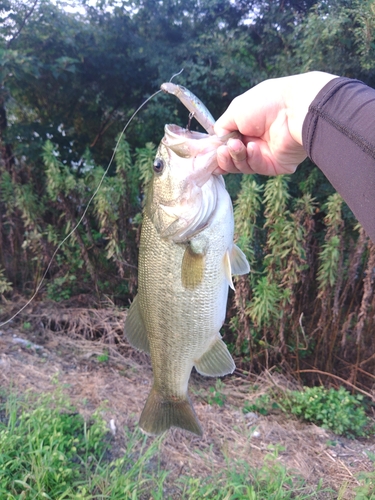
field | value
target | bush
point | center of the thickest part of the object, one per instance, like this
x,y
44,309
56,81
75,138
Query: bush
x,y
336,410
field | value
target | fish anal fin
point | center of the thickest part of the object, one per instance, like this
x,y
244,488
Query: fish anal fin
x,y
135,330
159,414
216,361
192,269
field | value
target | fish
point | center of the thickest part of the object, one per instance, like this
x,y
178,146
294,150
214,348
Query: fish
x,y
186,261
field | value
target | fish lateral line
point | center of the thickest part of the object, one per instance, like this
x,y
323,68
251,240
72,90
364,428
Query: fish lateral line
x,y
39,285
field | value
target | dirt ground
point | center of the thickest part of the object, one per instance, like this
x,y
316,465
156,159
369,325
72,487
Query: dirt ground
x,y
70,344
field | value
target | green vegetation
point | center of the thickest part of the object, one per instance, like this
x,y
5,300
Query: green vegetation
x,y
263,405
69,83
49,451
240,482
103,358
216,395
336,410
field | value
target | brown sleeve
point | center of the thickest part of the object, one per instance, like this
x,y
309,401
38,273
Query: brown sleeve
x,y
339,136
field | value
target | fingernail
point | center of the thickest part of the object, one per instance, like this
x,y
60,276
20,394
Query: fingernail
x,y
233,144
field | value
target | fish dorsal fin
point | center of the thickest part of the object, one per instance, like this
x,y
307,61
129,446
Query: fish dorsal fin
x,y
192,269
216,361
135,329
235,262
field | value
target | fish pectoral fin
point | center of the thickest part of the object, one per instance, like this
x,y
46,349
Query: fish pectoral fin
x,y
238,261
235,262
135,329
217,361
159,414
192,269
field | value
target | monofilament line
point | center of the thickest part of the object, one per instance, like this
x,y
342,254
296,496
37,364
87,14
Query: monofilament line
x,y
83,213
176,74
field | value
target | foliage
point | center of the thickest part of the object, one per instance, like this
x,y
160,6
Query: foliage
x,y
216,395
69,81
49,451
5,286
336,410
270,481
103,226
263,405
43,447
307,256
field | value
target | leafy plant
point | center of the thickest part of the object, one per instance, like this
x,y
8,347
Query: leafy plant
x,y
336,410
5,285
43,446
216,395
263,405
103,358
270,481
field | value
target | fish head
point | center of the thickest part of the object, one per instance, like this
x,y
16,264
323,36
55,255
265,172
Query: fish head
x,y
184,191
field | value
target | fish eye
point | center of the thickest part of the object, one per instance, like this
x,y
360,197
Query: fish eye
x,y
158,165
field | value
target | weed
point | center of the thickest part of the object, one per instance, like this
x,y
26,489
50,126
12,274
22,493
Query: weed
x,y
103,358
263,405
61,288
336,410
216,396
49,451
239,481
366,490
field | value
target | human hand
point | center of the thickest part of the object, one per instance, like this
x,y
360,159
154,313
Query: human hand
x,y
270,117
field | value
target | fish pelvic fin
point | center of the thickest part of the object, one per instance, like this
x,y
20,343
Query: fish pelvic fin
x,y
135,329
159,414
216,361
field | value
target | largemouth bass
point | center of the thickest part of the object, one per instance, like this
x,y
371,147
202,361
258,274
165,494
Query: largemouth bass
x,y
186,261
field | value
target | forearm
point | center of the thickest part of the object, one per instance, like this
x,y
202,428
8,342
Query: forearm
x,y
339,136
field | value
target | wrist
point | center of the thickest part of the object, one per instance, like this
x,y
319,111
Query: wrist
x,y
300,91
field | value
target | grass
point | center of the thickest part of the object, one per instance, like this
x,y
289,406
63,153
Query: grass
x,y
49,451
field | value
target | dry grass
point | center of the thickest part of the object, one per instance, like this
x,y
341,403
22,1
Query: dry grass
x,y
122,383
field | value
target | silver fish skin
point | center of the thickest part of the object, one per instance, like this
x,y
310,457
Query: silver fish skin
x,y
186,260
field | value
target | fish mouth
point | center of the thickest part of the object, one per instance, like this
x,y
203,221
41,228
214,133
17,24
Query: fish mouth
x,y
186,143
199,147
173,131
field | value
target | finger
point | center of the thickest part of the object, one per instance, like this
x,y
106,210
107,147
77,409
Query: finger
x,y
239,155
225,124
222,132
260,162
225,162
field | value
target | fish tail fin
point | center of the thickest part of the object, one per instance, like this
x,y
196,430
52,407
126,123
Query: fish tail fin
x,y
159,414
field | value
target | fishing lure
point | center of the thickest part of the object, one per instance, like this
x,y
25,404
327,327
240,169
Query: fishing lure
x,y
193,104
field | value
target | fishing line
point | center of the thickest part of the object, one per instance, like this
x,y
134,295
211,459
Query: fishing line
x,y
176,74
84,212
